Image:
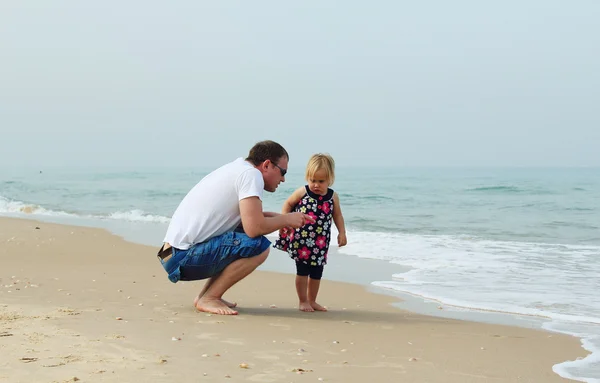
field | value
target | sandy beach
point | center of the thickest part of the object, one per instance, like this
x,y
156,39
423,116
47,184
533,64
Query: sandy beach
x,y
80,304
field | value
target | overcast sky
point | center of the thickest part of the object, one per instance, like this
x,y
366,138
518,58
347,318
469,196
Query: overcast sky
x,y
381,83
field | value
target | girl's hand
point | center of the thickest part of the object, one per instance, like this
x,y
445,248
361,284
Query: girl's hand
x,y
342,239
285,232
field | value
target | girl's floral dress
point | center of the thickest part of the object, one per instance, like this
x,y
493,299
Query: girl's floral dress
x,y
310,243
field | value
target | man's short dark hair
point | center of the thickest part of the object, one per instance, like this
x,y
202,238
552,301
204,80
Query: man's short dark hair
x,y
266,150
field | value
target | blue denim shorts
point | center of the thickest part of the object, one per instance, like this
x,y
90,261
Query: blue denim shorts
x,y
207,259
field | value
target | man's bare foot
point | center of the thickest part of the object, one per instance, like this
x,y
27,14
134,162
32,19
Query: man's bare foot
x,y
317,307
214,306
227,303
305,306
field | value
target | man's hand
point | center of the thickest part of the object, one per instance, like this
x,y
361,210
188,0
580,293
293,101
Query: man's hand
x,y
342,239
297,220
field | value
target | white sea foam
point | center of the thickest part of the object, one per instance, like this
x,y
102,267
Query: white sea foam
x,y
22,209
18,207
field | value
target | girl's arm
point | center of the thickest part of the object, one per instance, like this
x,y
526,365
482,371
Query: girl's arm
x,y
293,200
288,206
338,219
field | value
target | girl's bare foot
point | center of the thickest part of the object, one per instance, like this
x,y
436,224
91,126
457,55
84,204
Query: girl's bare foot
x,y
317,307
227,303
214,306
305,306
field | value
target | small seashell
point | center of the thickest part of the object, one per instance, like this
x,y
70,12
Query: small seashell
x,y
217,354
175,338
343,350
410,343
335,341
119,318
483,348
244,365
440,308
204,373
204,355
228,376
162,361
320,379
412,360
273,306
301,349
140,304
120,290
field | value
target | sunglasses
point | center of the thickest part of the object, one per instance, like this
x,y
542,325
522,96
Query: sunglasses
x,y
282,170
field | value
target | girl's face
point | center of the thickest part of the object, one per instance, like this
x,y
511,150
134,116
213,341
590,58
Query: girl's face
x,y
319,182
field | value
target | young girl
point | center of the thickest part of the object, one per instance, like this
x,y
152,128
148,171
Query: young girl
x,y
309,245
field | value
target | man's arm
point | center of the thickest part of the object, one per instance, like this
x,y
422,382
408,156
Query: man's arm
x,y
255,222
269,214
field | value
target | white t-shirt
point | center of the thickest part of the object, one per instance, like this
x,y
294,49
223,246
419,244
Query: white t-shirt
x,y
212,207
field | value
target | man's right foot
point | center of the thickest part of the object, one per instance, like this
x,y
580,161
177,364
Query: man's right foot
x,y
227,303
214,306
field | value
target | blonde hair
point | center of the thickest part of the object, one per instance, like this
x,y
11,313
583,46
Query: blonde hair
x,y
321,161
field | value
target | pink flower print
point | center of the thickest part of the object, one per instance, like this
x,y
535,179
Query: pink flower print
x,y
303,253
321,243
326,208
313,216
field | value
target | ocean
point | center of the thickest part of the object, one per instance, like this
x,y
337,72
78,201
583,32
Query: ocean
x,y
520,241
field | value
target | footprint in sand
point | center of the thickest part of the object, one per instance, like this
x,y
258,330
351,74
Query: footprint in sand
x,y
297,341
208,336
281,325
237,342
268,378
265,356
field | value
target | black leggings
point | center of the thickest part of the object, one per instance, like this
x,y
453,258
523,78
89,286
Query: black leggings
x,y
303,270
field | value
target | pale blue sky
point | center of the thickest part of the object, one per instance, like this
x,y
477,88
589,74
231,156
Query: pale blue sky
x,y
180,83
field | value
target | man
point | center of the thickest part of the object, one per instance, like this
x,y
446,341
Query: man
x,y
217,232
